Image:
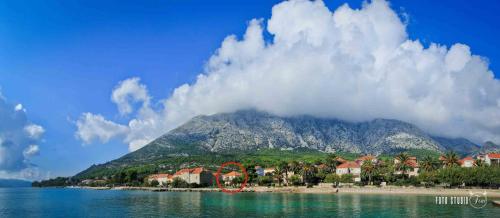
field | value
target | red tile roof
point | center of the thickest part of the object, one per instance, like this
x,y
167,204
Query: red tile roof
x,y
348,164
197,170
462,161
341,160
232,173
494,155
412,163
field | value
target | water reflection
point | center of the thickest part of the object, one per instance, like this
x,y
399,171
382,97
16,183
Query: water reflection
x,y
89,203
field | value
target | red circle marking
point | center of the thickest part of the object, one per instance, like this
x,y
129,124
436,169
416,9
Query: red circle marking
x,y
217,175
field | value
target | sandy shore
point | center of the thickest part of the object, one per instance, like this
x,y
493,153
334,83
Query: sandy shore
x,y
495,193
378,190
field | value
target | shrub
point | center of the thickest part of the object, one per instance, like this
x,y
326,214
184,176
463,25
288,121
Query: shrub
x,y
265,180
179,183
154,183
296,181
346,178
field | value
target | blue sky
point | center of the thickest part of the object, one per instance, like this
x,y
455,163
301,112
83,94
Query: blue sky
x,y
63,58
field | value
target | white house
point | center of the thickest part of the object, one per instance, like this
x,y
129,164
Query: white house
x,y
197,175
467,162
161,178
350,168
412,163
228,177
492,159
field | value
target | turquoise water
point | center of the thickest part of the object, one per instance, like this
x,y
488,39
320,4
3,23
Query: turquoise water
x,y
51,202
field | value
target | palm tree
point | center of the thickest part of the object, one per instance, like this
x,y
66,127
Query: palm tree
x,y
308,170
403,164
285,168
428,164
294,167
369,170
451,159
332,162
278,174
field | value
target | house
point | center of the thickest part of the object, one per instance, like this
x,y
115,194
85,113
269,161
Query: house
x,y
350,167
259,171
199,175
492,159
268,170
341,160
228,177
361,160
161,178
412,163
467,162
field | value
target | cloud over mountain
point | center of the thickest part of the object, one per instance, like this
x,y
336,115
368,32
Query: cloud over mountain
x,y
19,139
351,64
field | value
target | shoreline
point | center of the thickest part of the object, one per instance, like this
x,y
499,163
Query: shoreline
x,y
495,193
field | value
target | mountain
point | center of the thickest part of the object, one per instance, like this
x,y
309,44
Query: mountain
x,y
14,183
489,147
460,145
227,135
251,130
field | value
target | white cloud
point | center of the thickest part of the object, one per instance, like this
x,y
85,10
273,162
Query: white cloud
x,y
351,64
31,150
127,92
34,131
19,140
92,126
19,107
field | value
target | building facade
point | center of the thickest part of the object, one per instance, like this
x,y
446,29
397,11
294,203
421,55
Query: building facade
x,y
197,175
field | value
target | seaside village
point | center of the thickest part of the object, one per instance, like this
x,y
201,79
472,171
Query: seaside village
x,y
339,171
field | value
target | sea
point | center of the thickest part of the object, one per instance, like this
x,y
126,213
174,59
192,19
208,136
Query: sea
x,y
67,202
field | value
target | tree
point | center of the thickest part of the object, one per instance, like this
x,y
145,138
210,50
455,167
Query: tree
x,y
332,178
131,176
368,169
480,163
179,183
403,164
453,176
294,167
265,180
332,162
278,174
120,178
346,178
295,179
284,166
429,164
308,171
238,180
451,159
154,183
252,173
427,177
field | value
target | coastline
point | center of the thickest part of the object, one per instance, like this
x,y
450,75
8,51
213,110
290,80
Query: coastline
x,y
495,193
